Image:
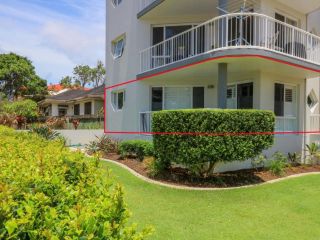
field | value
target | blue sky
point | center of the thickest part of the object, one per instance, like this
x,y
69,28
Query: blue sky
x,y
55,35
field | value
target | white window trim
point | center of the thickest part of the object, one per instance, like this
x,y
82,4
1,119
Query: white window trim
x,y
296,86
114,45
116,3
236,85
115,104
288,16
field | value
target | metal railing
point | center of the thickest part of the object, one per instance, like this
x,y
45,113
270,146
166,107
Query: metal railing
x,y
145,3
283,124
286,124
314,122
145,122
238,30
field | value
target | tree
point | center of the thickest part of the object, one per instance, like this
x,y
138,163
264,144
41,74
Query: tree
x,y
82,74
66,82
18,76
36,89
98,74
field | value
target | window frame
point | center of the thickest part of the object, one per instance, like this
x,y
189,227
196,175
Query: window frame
x,y
74,109
85,109
116,3
116,50
295,98
115,100
178,86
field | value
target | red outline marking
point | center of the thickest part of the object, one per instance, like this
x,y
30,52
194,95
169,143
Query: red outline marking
x,y
204,134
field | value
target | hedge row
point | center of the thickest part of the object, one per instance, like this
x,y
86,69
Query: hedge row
x,y
48,192
195,151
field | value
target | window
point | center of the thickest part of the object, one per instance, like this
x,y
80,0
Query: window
x,y
116,2
285,103
118,99
177,98
240,96
312,100
157,98
62,110
76,110
87,108
118,47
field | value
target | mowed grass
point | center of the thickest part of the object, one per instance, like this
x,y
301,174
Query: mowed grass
x,y
286,210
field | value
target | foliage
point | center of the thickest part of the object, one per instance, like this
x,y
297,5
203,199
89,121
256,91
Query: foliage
x,y
137,148
82,75
258,162
46,132
66,82
152,166
313,153
103,144
25,108
18,77
278,164
294,159
7,119
48,192
98,74
56,123
201,153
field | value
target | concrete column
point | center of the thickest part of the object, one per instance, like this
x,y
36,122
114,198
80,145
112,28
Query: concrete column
x,y
222,85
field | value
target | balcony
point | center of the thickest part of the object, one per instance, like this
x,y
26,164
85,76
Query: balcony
x,y
233,31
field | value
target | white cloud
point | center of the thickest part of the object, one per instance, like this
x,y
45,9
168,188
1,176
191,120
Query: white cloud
x,y
55,35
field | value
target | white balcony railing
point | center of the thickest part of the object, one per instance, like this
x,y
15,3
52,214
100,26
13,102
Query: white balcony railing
x,y
145,3
314,123
283,124
238,30
145,122
286,124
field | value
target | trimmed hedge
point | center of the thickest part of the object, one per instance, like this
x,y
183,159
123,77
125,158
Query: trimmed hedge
x,y
195,152
49,192
138,148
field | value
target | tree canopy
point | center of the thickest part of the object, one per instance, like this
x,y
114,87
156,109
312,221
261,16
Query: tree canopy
x,y
84,75
18,77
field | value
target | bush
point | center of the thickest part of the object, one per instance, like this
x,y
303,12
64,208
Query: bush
x,y
46,133
153,169
278,164
48,192
24,108
137,148
103,144
201,153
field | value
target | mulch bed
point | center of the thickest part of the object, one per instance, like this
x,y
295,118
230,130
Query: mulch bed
x,y
179,176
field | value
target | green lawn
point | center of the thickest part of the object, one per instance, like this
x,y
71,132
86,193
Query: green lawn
x,y
287,210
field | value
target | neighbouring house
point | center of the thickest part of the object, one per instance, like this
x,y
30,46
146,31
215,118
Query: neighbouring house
x,y
236,54
75,103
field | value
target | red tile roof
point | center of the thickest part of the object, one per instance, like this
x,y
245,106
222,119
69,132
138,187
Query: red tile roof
x,y
59,87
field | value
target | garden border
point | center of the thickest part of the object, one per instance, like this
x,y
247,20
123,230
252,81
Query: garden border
x,y
180,187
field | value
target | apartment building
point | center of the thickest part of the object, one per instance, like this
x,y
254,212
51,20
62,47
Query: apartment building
x,y
237,54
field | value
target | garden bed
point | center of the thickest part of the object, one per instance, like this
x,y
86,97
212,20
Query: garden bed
x,y
179,176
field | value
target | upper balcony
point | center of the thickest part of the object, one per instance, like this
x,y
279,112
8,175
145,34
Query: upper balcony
x,y
233,31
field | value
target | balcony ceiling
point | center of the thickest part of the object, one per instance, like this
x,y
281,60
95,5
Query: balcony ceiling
x,y
305,6
208,8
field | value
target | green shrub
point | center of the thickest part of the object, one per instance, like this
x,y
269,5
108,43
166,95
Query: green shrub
x,y
48,192
152,166
313,153
103,144
258,162
278,164
24,108
46,132
137,148
202,152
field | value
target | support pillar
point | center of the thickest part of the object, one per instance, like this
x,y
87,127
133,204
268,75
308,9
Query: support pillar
x,y
222,85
